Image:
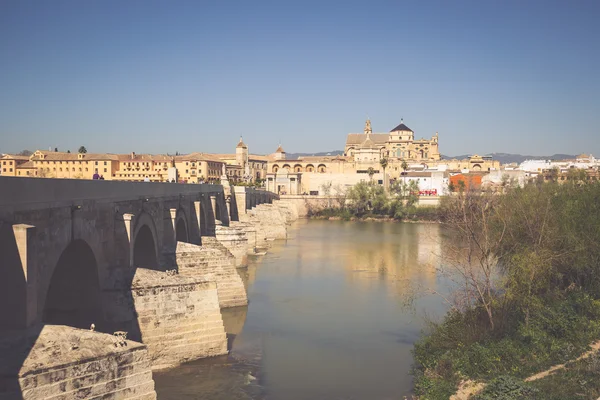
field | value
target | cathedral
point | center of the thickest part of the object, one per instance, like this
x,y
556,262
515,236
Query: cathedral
x,y
397,145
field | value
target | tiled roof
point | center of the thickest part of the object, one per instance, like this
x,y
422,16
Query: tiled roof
x,y
355,139
279,150
401,127
28,164
367,143
144,157
199,157
63,156
14,157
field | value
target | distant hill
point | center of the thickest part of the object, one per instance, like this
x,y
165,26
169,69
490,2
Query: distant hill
x,y
293,156
507,158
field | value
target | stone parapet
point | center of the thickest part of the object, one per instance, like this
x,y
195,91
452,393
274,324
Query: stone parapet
x,y
68,363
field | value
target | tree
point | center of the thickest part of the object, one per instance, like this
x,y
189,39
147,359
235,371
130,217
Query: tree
x,y
56,149
384,163
371,172
404,166
68,151
82,150
471,260
26,153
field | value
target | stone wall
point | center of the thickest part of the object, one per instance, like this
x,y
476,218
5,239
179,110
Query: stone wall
x,y
234,238
213,262
269,222
68,363
179,317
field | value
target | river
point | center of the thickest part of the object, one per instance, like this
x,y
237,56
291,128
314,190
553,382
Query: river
x,y
333,314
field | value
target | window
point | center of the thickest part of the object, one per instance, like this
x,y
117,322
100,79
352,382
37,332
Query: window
x,y
104,169
104,164
96,163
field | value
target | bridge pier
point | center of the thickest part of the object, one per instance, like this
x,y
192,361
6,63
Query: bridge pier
x,y
64,362
213,262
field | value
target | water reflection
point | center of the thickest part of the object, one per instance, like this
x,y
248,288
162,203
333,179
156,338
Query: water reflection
x,y
326,318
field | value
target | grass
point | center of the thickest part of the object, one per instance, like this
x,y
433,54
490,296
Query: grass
x,y
459,348
579,380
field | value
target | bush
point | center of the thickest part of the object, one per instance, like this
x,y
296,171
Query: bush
x,y
507,388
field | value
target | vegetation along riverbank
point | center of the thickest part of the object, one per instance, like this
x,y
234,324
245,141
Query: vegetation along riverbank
x,y
368,201
526,269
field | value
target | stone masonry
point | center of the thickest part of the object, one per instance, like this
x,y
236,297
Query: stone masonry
x,y
234,238
179,317
67,363
215,263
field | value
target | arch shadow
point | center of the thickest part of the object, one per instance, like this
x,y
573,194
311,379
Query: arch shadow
x,y
74,297
13,285
181,230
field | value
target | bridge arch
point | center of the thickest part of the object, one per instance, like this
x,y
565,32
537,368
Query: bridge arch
x,y
145,243
74,297
182,233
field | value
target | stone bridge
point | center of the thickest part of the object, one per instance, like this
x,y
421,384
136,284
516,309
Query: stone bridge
x,y
80,260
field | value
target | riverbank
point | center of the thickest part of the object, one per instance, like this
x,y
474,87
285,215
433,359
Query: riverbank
x,y
375,219
415,214
526,300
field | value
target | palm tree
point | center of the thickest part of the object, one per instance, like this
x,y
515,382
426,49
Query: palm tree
x,y
404,166
371,172
384,163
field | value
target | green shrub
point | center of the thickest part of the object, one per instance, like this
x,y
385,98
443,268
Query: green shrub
x,y
507,388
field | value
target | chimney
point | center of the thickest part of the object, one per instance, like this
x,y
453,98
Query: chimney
x,y
132,155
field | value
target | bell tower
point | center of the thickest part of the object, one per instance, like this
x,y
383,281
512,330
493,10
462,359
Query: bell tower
x,y
241,153
368,130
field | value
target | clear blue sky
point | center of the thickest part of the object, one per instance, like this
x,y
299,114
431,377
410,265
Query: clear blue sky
x,y
164,76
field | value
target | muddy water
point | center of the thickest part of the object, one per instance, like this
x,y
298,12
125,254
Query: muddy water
x,y
327,319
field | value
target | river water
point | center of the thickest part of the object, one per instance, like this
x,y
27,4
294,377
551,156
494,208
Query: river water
x,y
333,314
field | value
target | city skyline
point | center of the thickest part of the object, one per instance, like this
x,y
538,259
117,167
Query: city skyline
x,y
158,77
